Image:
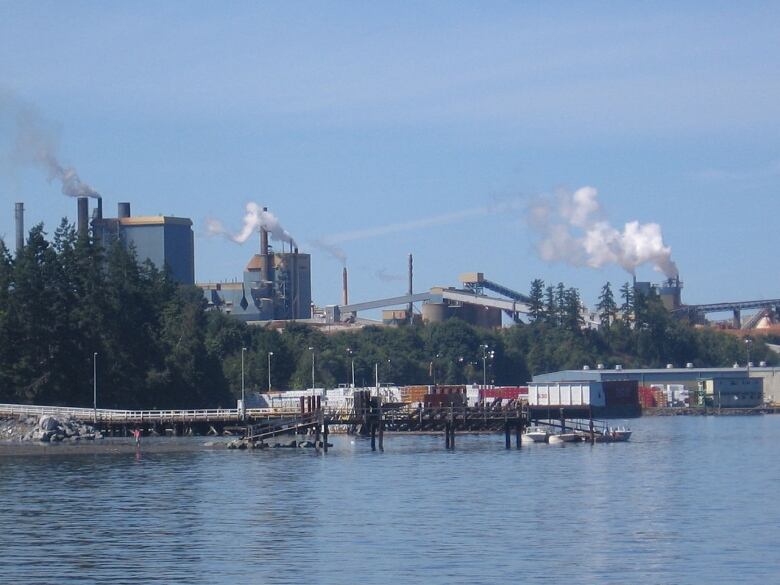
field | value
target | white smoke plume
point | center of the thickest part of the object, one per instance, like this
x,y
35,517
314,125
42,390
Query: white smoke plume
x,y
254,219
35,144
331,249
574,230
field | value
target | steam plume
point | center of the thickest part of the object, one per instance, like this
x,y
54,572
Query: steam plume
x,y
35,144
331,249
254,219
575,231
386,276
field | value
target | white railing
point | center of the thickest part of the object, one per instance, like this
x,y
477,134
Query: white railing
x,y
131,416
138,416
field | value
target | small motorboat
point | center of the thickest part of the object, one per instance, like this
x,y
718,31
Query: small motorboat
x,y
621,434
535,435
566,437
614,435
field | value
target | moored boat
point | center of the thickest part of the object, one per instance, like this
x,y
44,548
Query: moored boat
x,y
566,437
535,435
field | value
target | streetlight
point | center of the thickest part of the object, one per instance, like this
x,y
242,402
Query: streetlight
x,y
270,353
748,343
94,386
432,367
311,349
243,397
484,364
352,360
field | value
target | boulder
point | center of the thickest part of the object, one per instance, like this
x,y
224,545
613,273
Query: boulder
x,y
48,423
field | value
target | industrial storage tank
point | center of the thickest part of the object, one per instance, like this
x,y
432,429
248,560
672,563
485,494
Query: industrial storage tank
x,y
434,312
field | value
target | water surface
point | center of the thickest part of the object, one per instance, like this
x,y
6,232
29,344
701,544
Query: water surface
x,y
688,500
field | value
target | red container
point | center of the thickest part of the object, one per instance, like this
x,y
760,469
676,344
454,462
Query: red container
x,y
647,397
503,392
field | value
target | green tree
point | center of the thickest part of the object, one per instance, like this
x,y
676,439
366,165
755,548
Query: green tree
x,y
627,307
606,307
536,304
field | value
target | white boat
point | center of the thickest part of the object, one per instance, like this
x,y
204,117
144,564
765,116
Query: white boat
x,y
621,434
535,435
614,435
567,437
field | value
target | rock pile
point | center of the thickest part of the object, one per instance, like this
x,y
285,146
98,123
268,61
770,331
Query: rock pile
x,y
243,444
46,429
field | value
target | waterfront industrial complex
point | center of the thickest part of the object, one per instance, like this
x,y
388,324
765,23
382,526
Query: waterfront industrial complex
x,y
276,288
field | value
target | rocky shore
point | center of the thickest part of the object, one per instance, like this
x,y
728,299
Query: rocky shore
x,y
46,429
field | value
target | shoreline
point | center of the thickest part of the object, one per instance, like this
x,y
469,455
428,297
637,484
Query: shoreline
x,y
113,446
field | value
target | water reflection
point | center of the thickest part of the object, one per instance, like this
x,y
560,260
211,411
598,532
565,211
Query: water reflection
x,y
684,501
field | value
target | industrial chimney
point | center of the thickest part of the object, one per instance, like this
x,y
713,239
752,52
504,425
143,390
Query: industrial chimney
x,y
345,288
411,305
123,210
19,227
83,216
266,273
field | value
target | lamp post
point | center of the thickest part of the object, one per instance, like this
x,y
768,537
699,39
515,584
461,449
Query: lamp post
x,y
94,386
243,393
311,349
484,364
270,353
352,361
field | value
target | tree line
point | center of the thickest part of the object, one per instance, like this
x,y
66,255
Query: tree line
x,y
158,346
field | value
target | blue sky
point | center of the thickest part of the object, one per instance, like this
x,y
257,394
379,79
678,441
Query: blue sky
x,y
346,116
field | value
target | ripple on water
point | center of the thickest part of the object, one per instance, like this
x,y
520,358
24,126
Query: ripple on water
x,y
686,501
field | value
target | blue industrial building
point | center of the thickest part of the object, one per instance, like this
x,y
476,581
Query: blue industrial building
x,y
168,242
726,387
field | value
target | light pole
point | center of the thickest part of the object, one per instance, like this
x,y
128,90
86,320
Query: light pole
x,y
243,397
311,349
748,342
270,353
352,360
484,364
94,386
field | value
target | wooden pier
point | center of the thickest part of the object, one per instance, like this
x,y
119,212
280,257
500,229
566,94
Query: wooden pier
x,y
368,417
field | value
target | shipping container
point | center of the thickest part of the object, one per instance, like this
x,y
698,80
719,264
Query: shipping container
x,y
556,394
504,392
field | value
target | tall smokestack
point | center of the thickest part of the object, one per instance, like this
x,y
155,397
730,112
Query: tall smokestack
x,y
83,215
264,239
411,305
123,210
19,227
345,289
98,213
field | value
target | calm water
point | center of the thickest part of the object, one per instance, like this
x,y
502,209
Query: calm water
x,y
688,500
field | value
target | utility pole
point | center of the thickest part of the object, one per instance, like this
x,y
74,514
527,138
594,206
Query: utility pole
x,y
94,386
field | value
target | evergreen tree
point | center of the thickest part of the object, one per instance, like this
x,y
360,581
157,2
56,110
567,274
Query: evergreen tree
x,y
536,303
560,304
606,307
572,311
627,308
550,306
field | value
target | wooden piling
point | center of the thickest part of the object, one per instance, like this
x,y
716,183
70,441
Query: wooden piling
x,y
507,435
372,426
518,433
325,435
